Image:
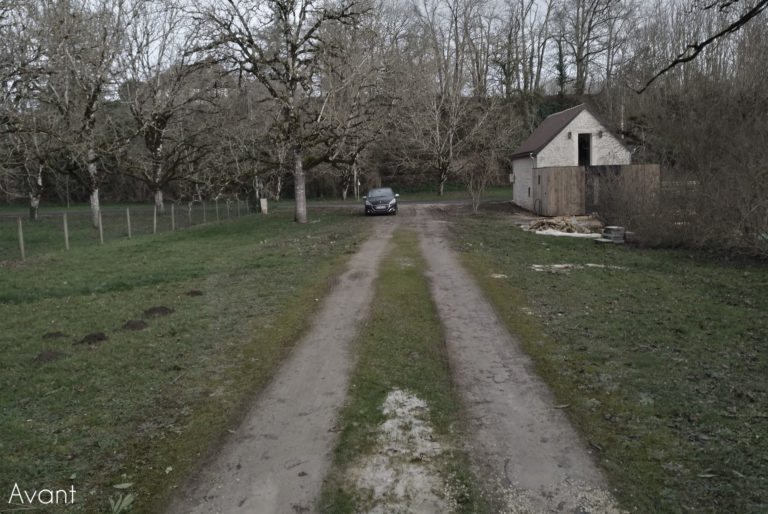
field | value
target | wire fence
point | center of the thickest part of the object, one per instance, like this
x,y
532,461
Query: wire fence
x,y
54,230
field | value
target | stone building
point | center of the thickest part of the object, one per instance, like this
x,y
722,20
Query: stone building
x,y
571,138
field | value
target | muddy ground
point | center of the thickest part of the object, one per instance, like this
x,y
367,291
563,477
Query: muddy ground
x,y
525,453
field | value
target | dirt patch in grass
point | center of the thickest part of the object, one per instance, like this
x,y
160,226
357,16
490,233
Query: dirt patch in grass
x,y
54,335
135,324
93,338
158,311
49,356
194,292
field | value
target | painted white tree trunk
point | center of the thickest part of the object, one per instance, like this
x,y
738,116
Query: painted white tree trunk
x,y
34,206
35,194
95,208
300,188
159,202
93,173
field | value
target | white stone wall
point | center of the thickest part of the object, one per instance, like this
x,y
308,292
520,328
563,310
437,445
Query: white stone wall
x,y
522,190
562,151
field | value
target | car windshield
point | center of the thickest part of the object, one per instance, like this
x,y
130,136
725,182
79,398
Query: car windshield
x,y
378,193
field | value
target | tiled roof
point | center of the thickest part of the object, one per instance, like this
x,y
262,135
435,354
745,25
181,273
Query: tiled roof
x,y
549,128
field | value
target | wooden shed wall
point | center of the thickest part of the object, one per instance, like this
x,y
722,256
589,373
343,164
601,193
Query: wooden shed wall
x,y
637,185
558,191
574,190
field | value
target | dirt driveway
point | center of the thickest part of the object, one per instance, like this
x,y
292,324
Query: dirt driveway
x,y
523,448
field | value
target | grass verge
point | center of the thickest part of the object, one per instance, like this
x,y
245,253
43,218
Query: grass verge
x,y
660,356
144,407
401,348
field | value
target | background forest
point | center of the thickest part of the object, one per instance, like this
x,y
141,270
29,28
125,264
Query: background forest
x,y
184,101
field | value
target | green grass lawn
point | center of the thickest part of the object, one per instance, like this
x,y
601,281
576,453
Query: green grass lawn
x,y
660,358
143,407
400,347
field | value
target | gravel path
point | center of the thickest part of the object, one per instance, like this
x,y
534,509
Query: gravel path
x,y
275,461
524,449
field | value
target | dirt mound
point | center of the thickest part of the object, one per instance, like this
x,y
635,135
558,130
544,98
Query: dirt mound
x,y
94,338
49,356
194,292
54,335
159,310
134,324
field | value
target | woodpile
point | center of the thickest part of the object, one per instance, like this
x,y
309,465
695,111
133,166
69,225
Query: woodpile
x,y
568,225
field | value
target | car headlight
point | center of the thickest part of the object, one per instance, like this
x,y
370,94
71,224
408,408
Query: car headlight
x,y
368,204
392,202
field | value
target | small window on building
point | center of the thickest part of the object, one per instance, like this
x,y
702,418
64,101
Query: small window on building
x,y
539,179
529,192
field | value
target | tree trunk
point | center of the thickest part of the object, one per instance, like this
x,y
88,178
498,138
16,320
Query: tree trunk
x,y
93,173
159,205
34,206
95,209
356,182
300,188
443,179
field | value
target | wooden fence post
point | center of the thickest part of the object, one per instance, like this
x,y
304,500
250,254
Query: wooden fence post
x,y
21,241
66,232
189,215
173,219
154,220
101,229
238,208
128,219
217,209
204,217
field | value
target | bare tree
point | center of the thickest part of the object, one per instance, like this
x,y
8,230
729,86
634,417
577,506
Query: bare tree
x,y
162,85
734,15
438,118
356,103
278,43
584,27
81,40
519,52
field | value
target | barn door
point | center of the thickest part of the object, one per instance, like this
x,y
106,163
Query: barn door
x,y
585,149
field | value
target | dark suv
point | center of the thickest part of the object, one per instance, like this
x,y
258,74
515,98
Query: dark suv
x,y
380,201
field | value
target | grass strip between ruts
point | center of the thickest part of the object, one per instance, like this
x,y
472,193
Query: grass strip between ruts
x,y
401,347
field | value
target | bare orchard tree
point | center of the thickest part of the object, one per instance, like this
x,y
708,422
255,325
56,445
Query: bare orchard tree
x,y
81,40
163,84
278,43
25,149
